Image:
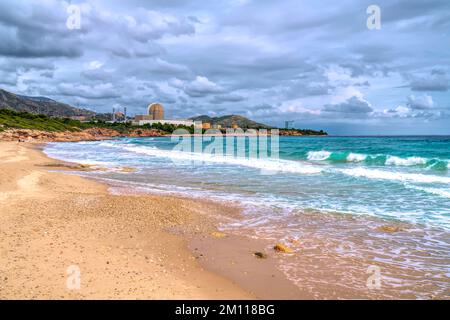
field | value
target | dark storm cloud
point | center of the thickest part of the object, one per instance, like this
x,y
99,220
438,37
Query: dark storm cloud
x,y
101,91
30,31
227,98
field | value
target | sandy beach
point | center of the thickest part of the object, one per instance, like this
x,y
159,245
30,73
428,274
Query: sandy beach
x,y
53,222
59,229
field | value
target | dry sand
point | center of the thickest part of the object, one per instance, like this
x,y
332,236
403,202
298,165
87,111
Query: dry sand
x,y
125,247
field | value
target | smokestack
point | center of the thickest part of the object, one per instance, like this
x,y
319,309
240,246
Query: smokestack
x,y
125,114
114,115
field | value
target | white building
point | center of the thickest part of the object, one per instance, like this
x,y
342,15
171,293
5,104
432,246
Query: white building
x,y
174,122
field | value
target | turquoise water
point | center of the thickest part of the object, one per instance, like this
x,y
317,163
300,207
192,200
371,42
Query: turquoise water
x,y
401,178
332,194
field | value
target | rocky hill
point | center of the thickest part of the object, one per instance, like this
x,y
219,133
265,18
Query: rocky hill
x,y
40,105
229,120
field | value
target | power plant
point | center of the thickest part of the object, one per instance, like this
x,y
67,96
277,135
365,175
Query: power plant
x,y
155,114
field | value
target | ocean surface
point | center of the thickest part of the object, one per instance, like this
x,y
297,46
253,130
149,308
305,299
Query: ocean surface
x,y
372,181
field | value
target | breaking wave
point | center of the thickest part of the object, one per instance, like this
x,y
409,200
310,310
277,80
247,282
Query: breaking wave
x,y
399,176
278,165
381,160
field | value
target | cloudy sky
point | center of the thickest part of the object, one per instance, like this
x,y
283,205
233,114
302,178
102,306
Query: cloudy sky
x,y
314,62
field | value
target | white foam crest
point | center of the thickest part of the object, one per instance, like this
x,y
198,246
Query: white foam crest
x,y
356,157
436,191
105,144
318,155
398,176
264,164
410,161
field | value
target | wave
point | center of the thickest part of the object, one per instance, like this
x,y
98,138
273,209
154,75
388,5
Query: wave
x,y
398,176
356,157
440,192
410,161
278,165
379,159
318,155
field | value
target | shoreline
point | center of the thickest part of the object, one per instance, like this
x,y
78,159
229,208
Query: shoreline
x,y
125,246
155,243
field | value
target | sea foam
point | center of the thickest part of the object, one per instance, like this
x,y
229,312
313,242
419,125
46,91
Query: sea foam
x,y
278,165
356,157
398,176
410,161
318,155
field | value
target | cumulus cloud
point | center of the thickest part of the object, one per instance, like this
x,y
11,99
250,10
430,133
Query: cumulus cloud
x,y
201,87
353,105
423,102
437,80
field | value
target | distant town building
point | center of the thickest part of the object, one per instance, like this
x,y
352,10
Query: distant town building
x,y
235,126
79,118
119,116
216,126
206,125
176,122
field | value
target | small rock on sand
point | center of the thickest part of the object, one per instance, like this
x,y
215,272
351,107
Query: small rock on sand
x,y
218,234
260,255
282,248
389,229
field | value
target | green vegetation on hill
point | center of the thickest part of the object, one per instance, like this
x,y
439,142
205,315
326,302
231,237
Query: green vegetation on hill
x,y
25,120
167,127
229,120
303,132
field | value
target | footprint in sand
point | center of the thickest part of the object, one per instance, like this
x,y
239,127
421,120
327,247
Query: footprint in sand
x,y
26,185
29,182
19,156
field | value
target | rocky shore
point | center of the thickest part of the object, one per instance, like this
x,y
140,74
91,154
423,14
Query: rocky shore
x,y
91,134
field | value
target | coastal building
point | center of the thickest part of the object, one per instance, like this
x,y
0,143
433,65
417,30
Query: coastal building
x,y
119,116
155,111
176,122
79,118
206,125
155,114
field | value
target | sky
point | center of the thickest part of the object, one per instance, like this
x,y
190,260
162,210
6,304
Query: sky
x,y
316,63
